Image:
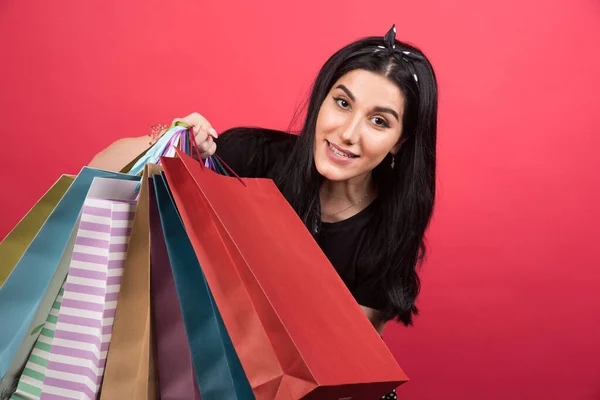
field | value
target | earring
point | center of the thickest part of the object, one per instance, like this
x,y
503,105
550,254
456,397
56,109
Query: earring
x,y
393,162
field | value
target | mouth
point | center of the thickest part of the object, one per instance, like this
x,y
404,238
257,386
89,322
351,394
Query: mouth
x,y
339,151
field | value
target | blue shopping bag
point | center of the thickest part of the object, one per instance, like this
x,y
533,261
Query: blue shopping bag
x,y
218,369
21,294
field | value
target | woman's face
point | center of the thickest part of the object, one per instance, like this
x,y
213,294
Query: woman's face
x,y
359,123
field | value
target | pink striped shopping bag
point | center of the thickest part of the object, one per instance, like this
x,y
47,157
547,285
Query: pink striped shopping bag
x,y
84,327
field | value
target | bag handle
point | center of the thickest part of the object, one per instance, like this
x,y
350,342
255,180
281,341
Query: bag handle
x,y
215,163
216,157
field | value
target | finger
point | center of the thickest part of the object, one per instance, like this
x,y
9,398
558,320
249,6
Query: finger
x,y
213,132
207,127
209,152
194,119
200,134
206,145
203,122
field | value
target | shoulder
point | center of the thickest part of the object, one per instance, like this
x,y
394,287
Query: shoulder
x,y
254,152
255,137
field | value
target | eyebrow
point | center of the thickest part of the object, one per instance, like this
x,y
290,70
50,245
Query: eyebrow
x,y
348,92
387,110
376,109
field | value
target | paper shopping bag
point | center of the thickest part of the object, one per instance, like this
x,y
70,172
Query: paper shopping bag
x,y
218,370
278,295
7,385
32,380
83,331
16,242
174,369
38,332
129,372
22,294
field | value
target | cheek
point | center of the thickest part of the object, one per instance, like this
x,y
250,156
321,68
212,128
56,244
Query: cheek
x,y
376,147
319,125
328,120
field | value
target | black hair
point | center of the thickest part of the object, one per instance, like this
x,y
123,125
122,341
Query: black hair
x,y
406,192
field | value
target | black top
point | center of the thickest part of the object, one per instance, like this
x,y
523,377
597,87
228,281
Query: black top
x,y
259,155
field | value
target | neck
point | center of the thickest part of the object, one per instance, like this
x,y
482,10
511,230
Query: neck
x,y
355,193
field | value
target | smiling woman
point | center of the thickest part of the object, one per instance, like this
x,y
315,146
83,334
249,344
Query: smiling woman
x,y
358,125
361,174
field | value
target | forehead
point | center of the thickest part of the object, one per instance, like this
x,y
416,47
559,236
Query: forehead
x,y
371,89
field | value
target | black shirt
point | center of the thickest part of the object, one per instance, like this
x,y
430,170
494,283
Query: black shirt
x,y
258,155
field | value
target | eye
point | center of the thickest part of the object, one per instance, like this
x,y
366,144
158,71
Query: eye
x,y
380,122
342,103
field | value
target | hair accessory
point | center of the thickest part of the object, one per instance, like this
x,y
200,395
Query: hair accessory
x,y
407,56
390,38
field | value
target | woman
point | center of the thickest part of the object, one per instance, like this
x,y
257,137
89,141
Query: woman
x,y
361,174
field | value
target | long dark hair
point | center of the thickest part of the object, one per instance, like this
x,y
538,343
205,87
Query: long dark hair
x,y
406,192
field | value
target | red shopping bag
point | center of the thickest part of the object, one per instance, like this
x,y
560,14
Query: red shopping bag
x,y
297,329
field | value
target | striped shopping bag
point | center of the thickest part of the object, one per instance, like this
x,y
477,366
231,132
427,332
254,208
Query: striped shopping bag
x,y
32,378
29,291
84,324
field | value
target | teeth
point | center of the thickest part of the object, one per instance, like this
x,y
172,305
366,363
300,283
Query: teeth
x,y
337,152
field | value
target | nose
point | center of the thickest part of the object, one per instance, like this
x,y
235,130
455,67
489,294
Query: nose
x,y
351,131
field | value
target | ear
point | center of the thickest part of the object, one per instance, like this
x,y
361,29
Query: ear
x,y
398,145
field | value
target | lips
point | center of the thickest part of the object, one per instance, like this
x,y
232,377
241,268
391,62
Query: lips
x,y
338,151
338,155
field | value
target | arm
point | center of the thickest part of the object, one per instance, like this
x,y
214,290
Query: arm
x,y
123,151
119,154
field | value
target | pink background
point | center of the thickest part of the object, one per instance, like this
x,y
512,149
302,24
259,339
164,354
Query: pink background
x,y
511,289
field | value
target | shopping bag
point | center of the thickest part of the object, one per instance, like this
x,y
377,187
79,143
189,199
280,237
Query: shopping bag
x,y
37,329
278,294
165,146
32,379
22,293
130,365
218,370
83,331
174,369
16,242
178,136
129,372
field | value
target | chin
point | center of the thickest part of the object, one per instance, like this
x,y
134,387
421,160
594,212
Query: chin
x,y
332,176
331,172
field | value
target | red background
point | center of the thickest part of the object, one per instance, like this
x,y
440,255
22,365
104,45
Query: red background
x,y
510,301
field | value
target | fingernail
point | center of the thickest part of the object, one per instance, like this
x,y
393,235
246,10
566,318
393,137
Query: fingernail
x,y
213,132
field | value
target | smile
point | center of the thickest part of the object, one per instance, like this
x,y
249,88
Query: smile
x,y
339,152
339,156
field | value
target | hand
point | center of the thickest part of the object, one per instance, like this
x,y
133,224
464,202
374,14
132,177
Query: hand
x,y
203,133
